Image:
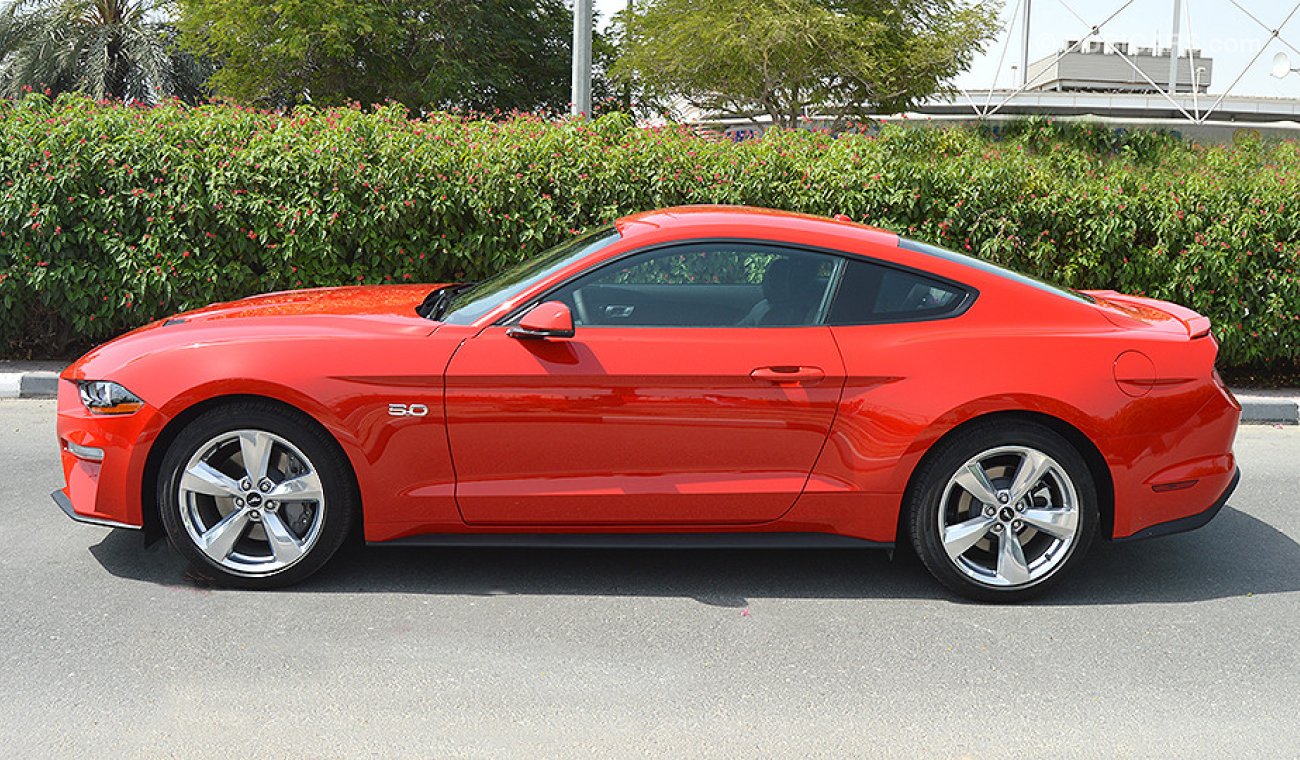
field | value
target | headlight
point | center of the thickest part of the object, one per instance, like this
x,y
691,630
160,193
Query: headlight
x,y
104,397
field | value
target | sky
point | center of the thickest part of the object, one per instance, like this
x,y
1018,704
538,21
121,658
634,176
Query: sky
x,y
1217,27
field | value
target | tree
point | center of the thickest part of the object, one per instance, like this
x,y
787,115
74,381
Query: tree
x,y
124,49
780,57
436,54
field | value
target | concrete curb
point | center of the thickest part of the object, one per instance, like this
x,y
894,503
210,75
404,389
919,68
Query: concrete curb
x,y
1264,410
29,384
1280,409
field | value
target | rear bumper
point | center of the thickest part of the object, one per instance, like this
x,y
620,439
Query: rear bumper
x,y
65,504
1191,522
1175,459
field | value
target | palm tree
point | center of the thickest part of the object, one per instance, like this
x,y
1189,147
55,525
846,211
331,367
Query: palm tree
x,y
124,49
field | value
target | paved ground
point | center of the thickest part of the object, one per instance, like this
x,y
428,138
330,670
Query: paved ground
x,y
1182,647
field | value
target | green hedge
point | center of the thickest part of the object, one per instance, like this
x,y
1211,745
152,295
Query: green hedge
x,y
111,216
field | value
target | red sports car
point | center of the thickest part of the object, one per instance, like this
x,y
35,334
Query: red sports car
x,y
696,377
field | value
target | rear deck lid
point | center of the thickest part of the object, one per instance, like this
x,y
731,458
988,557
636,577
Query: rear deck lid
x,y
1124,311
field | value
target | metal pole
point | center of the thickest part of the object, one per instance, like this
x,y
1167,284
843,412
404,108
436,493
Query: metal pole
x,y
627,88
582,30
1173,49
1024,48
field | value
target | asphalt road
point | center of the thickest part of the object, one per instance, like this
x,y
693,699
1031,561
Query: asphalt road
x,y
1181,647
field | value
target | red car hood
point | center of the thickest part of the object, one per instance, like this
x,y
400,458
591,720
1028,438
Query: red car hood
x,y
387,309
360,299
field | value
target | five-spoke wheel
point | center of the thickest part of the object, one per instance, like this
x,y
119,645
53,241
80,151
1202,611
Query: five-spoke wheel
x,y
255,495
251,501
999,511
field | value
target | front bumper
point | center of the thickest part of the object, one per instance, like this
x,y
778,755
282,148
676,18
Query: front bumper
x,y
65,504
103,460
1191,522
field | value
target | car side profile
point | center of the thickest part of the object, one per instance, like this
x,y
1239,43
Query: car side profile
x,y
699,376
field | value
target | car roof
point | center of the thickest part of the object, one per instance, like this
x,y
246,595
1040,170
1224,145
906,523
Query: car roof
x,y
841,234
747,220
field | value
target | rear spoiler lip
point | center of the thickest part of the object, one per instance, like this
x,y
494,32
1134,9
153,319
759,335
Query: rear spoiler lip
x,y
1196,325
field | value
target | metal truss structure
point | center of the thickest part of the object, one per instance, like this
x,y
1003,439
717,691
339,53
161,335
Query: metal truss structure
x,y
996,100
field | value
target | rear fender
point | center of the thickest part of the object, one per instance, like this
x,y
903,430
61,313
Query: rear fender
x,y
1062,418
983,407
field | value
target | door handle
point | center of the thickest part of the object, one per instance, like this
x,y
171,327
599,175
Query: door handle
x,y
788,375
618,311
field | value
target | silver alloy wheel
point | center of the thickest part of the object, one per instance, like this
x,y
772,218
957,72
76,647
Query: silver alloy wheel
x,y
1009,516
252,502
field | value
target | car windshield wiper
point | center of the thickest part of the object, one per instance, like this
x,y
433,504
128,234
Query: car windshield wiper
x,y
435,304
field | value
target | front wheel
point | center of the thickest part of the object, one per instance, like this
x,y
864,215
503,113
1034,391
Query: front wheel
x,y
255,496
1001,511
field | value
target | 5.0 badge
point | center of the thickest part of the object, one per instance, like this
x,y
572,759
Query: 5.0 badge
x,y
407,410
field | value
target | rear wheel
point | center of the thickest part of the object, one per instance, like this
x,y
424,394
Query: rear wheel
x,y
1001,511
255,496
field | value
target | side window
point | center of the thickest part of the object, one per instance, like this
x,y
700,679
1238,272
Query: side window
x,y
703,267
870,293
705,285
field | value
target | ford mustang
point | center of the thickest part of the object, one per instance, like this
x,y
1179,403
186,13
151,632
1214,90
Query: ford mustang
x,y
695,377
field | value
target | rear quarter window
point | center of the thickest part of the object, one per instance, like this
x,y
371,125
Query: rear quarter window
x,y
872,293
985,266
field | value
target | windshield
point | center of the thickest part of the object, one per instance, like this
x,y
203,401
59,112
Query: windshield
x,y
1024,279
472,303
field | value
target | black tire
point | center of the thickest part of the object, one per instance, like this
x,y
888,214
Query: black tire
x,y
976,572
299,439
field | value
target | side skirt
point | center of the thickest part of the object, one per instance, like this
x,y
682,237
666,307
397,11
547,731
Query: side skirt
x,y
641,541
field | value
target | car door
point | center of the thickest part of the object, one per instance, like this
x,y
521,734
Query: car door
x,y
698,388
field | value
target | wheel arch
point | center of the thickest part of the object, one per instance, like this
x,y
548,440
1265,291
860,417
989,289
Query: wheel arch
x,y
1097,466
149,508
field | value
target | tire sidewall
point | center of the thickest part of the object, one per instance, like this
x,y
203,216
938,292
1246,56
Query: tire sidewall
x,y
330,465
923,503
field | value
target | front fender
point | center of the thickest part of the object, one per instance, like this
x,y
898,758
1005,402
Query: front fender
x,y
345,382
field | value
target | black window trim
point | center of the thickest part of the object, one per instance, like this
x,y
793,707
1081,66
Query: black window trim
x,y
969,293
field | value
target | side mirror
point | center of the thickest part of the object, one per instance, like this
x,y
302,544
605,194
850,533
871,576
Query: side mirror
x,y
551,319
